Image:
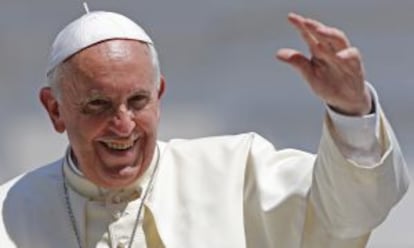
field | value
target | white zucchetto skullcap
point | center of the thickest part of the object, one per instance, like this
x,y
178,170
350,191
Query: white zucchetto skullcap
x,y
89,29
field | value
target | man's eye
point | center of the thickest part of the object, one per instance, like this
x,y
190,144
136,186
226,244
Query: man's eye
x,y
97,106
98,102
138,102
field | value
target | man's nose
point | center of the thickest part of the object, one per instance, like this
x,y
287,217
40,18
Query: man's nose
x,y
123,122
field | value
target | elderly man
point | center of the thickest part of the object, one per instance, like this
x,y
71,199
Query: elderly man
x,y
117,186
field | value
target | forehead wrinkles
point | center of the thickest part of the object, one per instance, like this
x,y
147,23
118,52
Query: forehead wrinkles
x,y
108,57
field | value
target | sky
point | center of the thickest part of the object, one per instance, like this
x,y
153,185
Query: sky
x,y
222,77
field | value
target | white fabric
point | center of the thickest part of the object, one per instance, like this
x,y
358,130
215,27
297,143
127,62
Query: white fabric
x,y
109,215
230,191
358,137
90,29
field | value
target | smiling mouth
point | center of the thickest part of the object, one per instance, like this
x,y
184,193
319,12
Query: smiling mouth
x,y
119,145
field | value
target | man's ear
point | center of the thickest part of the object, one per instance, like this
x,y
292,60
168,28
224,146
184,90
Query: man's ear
x,y
161,87
51,104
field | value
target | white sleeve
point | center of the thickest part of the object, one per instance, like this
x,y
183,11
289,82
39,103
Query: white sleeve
x,y
357,138
359,175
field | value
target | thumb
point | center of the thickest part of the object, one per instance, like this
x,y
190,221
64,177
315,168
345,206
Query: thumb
x,y
296,59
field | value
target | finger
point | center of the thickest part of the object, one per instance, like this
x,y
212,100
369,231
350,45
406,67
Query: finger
x,y
334,36
333,39
299,23
314,28
317,48
296,60
351,56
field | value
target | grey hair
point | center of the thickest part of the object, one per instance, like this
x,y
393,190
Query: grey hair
x,y
55,76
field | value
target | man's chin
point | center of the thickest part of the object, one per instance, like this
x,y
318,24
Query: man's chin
x,y
119,176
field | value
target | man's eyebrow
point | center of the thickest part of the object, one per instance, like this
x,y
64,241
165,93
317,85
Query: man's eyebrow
x,y
140,92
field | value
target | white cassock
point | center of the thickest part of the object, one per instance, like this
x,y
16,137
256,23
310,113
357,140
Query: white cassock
x,y
220,192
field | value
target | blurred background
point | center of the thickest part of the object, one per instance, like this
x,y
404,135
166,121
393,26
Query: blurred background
x,y
222,78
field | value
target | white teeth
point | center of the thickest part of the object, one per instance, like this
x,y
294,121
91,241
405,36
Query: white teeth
x,y
119,146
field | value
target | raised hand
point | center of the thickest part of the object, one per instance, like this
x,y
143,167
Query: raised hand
x,y
334,71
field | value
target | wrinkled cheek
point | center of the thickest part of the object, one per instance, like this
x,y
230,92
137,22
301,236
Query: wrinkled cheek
x,y
81,138
83,150
147,122
148,128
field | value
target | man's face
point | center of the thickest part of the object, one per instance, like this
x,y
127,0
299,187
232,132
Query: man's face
x,y
110,110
